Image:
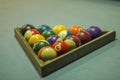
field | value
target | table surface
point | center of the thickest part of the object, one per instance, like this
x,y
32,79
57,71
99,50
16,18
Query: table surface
x,y
101,64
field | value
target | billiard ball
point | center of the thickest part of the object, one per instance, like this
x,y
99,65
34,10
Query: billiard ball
x,y
63,34
47,53
94,31
42,28
59,28
84,36
61,47
71,43
52,39
26,27
34,38
75,39
30,32
48,33
39,44
75,29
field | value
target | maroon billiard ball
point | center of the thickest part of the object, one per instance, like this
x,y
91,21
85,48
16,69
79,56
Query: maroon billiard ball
x,y
75,39
84,36
26,27
61,47
94,31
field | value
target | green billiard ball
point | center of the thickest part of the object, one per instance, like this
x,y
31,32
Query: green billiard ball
x,y
39,44
48,33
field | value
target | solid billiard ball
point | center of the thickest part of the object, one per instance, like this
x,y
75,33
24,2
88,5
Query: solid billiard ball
x,y
58,28
42,28
63,34
47,53
30,32
52,39
61,47
26,27
39,44
75,39
94,31
48,33
34,38
71,43
84,36
75,29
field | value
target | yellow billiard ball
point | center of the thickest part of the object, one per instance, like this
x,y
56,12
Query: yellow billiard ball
x,y
34,38
58,28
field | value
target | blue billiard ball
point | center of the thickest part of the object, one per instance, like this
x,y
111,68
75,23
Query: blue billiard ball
x,y
42,28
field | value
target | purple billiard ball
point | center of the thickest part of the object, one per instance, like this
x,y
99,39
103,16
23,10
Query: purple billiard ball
x,y
94,31
52,39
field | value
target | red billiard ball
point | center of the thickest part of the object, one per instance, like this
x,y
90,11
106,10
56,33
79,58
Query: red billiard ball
x,y
30,32
47,53
84,36
75,39
26,27
61,47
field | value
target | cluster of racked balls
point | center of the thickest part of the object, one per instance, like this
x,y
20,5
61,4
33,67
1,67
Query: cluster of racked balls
x,y
48,43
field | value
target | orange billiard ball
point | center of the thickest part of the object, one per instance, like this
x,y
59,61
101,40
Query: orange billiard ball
x,y
75,29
